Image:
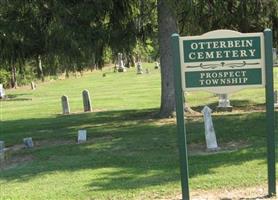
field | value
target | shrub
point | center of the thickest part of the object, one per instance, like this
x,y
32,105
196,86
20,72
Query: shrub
x,y
4,77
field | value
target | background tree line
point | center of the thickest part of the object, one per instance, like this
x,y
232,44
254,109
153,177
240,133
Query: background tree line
x,y
48,37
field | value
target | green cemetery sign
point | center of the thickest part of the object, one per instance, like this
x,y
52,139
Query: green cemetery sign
x,y
223,61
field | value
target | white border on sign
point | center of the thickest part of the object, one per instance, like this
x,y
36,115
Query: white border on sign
x,y
223,34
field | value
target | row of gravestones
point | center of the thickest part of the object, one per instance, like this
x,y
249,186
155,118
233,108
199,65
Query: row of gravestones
x,y
119,67
28,143
86,103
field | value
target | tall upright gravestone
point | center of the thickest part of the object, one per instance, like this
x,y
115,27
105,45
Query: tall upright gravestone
x,y
86,101
2,91
209,129
65,105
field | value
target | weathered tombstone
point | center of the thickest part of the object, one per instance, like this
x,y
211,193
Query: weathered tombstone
x,y
209,129
147,71
276,99
33,85
2,152
2,91
28,142
65,105
82,136
86,101
224,103
139,68
156,65
121,67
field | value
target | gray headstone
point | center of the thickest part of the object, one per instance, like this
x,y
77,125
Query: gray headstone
x,y
82,136
28,142
139,68
65,105
2,91
121,67
224,103
86,101
276,99
33,85
209,129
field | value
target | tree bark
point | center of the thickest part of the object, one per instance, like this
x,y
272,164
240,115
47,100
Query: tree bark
x,y
39,68
167,26
13,76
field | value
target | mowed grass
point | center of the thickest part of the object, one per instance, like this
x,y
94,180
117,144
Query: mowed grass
x,y
130,154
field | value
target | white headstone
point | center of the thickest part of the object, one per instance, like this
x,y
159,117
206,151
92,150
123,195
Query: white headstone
x,y
2,91
82,136
121,67
209,129
156,65
33,85
224,102
28,142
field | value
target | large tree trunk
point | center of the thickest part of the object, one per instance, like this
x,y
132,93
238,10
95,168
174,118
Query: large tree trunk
x,y
167,26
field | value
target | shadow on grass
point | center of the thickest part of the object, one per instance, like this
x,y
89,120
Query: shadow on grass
x,y
139,151
16,97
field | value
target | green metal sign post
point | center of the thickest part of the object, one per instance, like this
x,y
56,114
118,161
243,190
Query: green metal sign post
x,y
270,121
180,117
223,61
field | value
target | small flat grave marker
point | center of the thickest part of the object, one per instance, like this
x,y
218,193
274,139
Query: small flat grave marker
x,y
82,136
209,129
28,142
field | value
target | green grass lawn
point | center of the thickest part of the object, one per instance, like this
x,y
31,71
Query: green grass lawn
x,y
130,154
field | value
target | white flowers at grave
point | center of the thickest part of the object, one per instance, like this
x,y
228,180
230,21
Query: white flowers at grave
x,y
209,129
2,91
82,136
